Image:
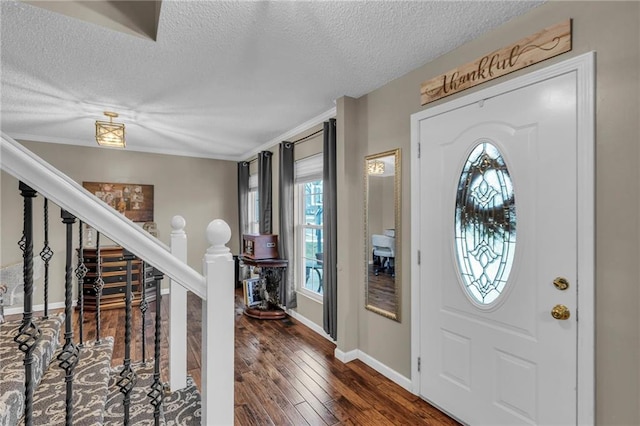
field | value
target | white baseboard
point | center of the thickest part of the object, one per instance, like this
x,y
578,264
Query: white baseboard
x,y
387,372
346,357
381,368
12,310
312,325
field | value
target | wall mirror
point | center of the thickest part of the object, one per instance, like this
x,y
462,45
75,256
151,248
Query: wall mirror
x,y
382,233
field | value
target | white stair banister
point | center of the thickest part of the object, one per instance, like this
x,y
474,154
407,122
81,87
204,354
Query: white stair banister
x,y
178,311
60,189
218,328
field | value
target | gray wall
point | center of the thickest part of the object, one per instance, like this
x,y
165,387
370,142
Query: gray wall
x,y
380,121
200,190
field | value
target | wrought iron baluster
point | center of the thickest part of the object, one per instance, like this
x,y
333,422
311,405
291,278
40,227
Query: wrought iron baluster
x,y
81,272
127,376
98,285
46,254
29,333
70,352
157,389
144,305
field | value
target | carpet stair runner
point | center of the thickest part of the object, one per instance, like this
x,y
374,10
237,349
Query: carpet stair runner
x,y
12,364
91,376
97,399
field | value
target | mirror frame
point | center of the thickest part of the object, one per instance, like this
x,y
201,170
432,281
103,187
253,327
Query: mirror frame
x,y
394,315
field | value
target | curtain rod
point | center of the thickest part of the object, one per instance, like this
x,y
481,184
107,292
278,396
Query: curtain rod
x,y
304,139
301,140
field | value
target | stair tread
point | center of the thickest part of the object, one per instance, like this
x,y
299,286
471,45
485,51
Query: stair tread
x,y
179,408
12,364
140,409
91,377
182,407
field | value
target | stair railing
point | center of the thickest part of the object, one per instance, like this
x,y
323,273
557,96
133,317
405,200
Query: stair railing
x,y
28,333
157,389
177,311
217,323
70,352
215,287
81,272
127,375
46,254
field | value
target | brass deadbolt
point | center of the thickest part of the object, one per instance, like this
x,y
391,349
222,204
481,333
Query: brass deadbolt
x,y
561,283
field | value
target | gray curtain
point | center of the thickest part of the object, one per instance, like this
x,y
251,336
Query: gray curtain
x,y
330,218
243,191
264,191
286,245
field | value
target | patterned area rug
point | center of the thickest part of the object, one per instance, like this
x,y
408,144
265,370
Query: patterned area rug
x,y
91,377
12,366
179,408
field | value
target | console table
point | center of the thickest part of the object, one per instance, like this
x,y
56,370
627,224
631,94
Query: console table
x,y
271,271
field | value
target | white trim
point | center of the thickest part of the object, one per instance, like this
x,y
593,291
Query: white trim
x,y
386,371
13,310
584,67
345,357
27,167
308,323
17,310
293,132
415,248
149,150
381,368
586,85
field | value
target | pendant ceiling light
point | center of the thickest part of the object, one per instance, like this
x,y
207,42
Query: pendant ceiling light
x,y
109,133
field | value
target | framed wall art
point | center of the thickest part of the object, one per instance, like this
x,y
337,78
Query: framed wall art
x,y
133,200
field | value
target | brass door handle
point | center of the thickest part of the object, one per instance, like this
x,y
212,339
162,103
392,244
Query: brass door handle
x,y
560,312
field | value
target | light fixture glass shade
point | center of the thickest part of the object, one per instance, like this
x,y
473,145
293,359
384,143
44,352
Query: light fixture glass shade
x,y
109,133
375,167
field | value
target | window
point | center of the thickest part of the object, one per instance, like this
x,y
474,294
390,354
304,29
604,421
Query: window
x,y
485,224
309,226
253,216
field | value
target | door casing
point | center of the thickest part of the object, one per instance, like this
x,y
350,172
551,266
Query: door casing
x,y
584,67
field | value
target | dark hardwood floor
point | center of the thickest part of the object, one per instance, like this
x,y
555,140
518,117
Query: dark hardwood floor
x,y
381,291
285,374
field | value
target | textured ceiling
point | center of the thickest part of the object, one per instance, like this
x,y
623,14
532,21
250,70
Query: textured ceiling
x,y
223,79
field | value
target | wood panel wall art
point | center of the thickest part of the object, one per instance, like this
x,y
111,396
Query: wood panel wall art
x,y
133,200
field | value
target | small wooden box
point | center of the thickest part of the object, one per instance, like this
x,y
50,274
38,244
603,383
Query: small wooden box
x,y
256,246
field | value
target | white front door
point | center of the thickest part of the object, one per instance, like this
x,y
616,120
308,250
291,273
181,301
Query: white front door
x,y
498,210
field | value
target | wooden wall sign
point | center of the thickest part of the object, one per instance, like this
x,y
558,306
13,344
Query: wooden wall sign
x,y
538,47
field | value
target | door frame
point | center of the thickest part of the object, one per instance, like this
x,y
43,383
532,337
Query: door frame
x,y
584,67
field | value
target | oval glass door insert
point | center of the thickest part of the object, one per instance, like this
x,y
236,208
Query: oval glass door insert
x,y
485,224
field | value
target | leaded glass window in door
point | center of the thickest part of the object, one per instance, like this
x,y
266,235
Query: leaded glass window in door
x,y
485,224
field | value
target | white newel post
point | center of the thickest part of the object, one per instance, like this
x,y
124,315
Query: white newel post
x,y
218,328
178,311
